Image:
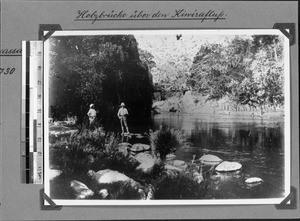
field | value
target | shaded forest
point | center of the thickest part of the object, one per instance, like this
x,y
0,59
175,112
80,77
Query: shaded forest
x,y
105,70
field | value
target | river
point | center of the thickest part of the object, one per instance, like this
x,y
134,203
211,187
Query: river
x,y
256,143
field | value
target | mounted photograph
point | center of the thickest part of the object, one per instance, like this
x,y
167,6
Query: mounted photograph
x,y
167,117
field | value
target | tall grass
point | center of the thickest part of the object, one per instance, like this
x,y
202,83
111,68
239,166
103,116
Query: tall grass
x,y
82,149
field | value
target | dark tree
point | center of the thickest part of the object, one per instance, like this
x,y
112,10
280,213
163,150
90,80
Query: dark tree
x,y
105,70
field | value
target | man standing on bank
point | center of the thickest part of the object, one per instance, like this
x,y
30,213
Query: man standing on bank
x,y
122,115
92,115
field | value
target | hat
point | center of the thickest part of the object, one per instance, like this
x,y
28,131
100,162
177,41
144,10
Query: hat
x,y
91,105
122,104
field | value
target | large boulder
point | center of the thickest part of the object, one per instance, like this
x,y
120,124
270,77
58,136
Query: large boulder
x,y
210,159
108,176
54,173
81,191
227,166
146,161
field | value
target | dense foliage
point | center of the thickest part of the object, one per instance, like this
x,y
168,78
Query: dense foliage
x,y
105,70
247,70
180,186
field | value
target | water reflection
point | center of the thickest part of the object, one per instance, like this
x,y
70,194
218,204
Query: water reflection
x,y
258,144
217,132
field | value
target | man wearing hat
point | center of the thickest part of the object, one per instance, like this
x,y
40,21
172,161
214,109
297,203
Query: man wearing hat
x,y
92,114
122,115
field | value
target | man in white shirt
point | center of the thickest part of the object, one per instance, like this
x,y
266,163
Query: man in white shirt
x,y
92,115
122,115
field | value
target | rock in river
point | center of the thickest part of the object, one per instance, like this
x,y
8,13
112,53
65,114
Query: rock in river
x,y
124,144
227,166
253,180
210,159
138,147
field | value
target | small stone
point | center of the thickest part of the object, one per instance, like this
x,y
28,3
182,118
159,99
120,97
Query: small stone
x,y
198,177
179,163
103,193
81,190
150,193
139,136
124,147
142,194
227,166
170,156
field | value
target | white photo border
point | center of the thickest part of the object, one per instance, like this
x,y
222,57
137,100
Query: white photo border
x,y
204,32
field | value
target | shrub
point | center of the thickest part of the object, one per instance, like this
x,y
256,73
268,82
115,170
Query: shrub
x,y
166,140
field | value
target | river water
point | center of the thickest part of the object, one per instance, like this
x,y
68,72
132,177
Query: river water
x,y
256,143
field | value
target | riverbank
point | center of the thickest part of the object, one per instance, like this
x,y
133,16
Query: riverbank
x,y
191,103
94,164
